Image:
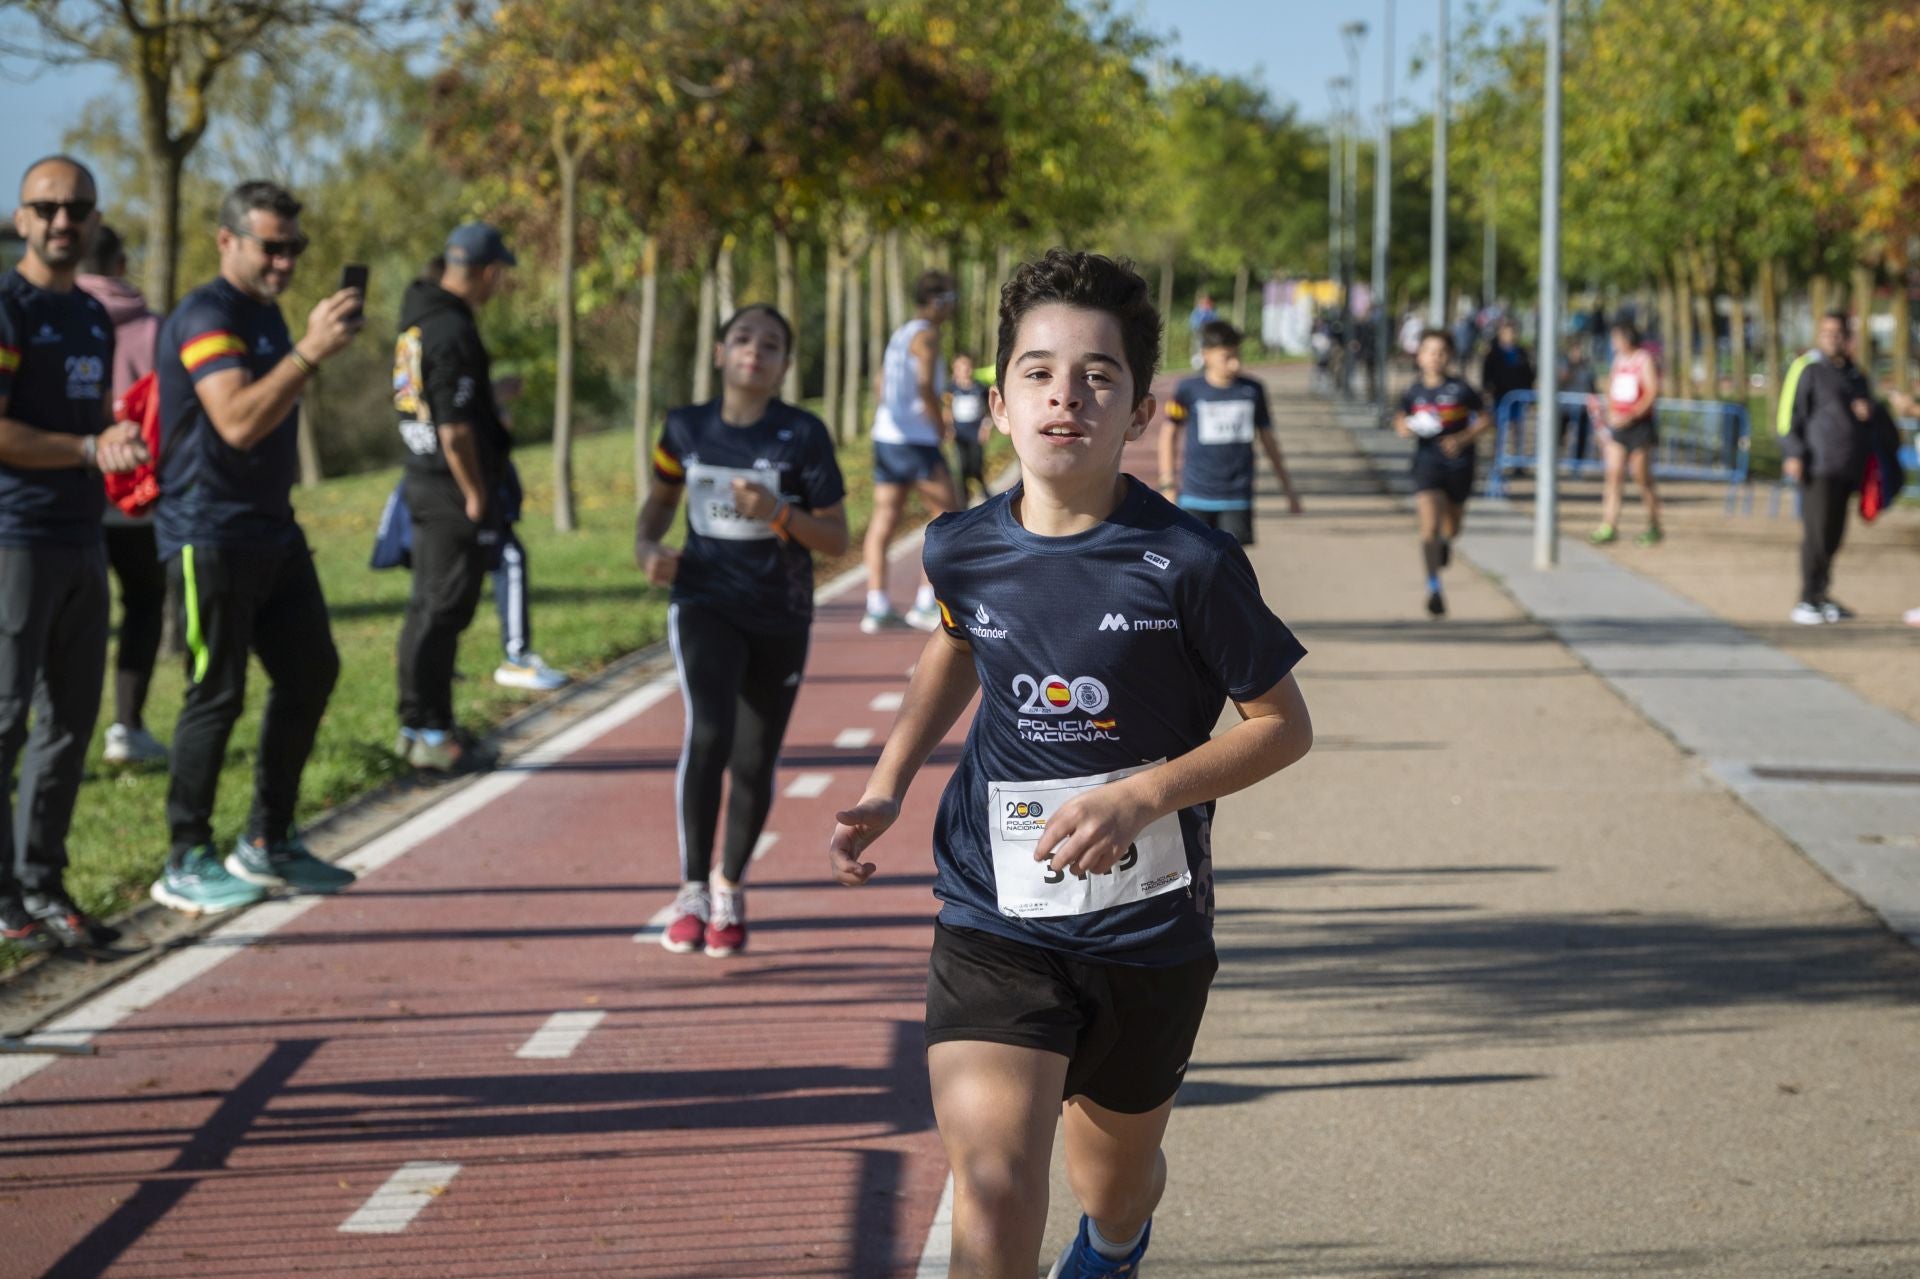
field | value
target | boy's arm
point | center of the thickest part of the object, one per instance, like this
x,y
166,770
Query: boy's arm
x,y
944,681
1271,446
1091,833
1169,478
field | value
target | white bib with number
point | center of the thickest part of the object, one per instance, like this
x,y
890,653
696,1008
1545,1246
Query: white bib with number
x,y
1224,421
710,507
1017,814
1624,388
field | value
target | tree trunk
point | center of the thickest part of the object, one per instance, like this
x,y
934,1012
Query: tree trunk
x,y
1902,333
1861,304
569,160
898,309
1700,263
850,382
876,310
1774,340
1683,312
990,305
1669,326
1166,312
830,332
703,334
163,224
722,285
1240,299
1737,332
643,368
1820,296
784,296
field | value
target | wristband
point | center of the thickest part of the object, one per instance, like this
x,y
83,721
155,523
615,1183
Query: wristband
x,y
301,362
89,450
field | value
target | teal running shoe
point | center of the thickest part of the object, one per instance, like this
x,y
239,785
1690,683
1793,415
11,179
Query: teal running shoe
x,y
1082,1261
200,885
288,865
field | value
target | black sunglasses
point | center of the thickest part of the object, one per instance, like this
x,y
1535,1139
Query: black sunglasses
x,y
48,210
275,248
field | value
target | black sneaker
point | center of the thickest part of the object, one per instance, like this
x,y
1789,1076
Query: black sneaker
x,y
1436,605
68,924
21,929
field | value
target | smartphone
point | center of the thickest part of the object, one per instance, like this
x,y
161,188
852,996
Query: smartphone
x,y
354,276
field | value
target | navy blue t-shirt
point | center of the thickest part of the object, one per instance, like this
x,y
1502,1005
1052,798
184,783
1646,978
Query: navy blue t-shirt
x,y
1097,653
211,493
736,566
1452,405
1216,471
56,370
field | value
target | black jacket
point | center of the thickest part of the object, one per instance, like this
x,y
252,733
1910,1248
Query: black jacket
x,y
1822,430
1504,371
441,375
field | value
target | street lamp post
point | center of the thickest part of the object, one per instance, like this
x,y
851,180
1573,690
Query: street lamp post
x,y
1336,168
1437,303
1382,211
1546,507
1355,35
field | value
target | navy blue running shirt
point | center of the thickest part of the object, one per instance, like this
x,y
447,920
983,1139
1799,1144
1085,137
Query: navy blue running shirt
x,y
1097,653
1216,471
739,567
56,366
1449,406
211,493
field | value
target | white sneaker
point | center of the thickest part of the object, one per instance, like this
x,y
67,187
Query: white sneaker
x,y
923,619
874,623
1911,617
530,672
132,746
1806,614
1835,612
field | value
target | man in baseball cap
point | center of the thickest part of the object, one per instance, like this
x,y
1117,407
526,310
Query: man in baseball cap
x,y
476,245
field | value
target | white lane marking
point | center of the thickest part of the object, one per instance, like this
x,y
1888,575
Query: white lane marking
x,y
887,701
852,739
394,1206
562,1033
656,925
937,1256
764,845
809,785
112,1006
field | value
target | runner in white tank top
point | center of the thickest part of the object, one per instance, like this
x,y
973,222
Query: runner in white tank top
x,y
909,427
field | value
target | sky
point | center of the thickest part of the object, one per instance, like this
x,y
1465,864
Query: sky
x,y
1292,46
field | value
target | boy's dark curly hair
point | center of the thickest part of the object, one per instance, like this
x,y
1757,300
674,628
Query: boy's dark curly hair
x,y
1093,281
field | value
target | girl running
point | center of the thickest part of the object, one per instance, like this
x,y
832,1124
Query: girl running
x,y
1630,437
763,492
1443,416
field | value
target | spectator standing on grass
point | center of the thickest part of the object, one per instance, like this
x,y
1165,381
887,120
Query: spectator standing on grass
x,y
967,404
56,436
1574,376
132,552
1825,451
230,382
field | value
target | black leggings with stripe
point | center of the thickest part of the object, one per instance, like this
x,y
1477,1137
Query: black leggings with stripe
x,y
739,687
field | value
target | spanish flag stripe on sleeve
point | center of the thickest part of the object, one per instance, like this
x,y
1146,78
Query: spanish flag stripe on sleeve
x,y
9,359
209,346
667,466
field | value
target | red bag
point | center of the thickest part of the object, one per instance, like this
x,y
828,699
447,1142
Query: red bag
x,y
1872,492
135,491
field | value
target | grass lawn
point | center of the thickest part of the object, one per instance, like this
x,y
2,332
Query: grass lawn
x,y
589,606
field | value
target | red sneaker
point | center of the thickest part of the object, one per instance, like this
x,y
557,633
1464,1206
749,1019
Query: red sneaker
x,y
727,929
688,928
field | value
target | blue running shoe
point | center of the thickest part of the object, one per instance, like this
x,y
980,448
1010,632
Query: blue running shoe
x,y
1082,1261
200,885
286,865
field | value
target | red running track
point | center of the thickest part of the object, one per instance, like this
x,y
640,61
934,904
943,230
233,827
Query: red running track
x,y
760,1116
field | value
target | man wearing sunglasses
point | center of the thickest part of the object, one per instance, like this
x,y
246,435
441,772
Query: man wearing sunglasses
x,y
230,383
56,435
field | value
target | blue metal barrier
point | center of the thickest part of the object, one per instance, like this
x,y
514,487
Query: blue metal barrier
x,y
1699,440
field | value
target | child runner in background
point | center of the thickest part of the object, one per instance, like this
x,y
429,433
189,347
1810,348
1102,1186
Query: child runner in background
x,y
1443,416
1104,630
763,492
1228,412
967,402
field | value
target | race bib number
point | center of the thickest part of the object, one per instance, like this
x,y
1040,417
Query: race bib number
x,y
1223,421
1017,815
1624,389
710,508
969,406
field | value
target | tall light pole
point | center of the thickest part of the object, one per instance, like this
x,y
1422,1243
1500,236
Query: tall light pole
x,y
1437,304
1355,35
1382,186
1336,169
1490,246
1546,506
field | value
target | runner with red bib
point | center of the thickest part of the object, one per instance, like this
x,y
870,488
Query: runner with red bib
x,y
1630,435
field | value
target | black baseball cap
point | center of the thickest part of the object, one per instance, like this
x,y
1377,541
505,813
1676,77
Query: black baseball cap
x,y
478,244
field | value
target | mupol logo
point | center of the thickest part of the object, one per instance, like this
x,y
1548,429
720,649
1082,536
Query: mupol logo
x,y
1119,622
1113,622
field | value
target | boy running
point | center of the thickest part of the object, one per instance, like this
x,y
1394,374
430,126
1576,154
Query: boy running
x,y
967,403
1229,412
1444,416
1105,629
763,492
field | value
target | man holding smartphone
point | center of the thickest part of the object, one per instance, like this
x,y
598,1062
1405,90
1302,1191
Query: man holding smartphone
x,y
230,382
457,447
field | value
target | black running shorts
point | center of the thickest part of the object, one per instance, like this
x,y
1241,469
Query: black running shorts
x,y
1643,434
1238,522
1453,477
1125,1031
